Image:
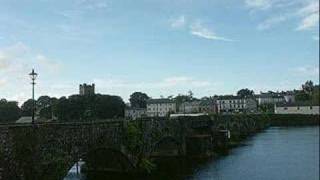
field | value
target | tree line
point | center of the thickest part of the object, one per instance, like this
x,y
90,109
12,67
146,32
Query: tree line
x,y
73,108
99,106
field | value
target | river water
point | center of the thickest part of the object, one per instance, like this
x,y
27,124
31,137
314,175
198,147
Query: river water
x,y
275,154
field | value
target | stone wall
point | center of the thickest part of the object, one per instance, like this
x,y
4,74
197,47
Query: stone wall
x,y
47,151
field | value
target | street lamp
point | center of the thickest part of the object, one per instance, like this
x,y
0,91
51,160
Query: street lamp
x,y
33,75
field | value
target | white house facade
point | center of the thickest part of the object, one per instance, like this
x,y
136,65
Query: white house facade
x,y
294,108
160,107
234,104
266,98
134,113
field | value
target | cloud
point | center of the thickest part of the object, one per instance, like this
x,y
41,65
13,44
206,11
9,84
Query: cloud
x,y
178,22
258,4
173,81
48,64
93,4
268,23
306,12
310,16
3,82
166,86
307,71
10,54
197,29
16,61
309,22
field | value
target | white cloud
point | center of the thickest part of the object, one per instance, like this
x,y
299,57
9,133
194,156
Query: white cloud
x,y
307,71
310,21
268,23
16,61
9,55
48,64
166,86
306,12
164,83
178,22
258,4
310,15
93,4
3,82
197,29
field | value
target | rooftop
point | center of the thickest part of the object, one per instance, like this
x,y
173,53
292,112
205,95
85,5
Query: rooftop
x,y
301,103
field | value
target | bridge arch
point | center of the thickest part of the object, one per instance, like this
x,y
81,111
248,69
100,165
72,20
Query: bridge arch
x,y
166,146
107,159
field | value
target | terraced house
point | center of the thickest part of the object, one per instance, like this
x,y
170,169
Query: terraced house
x,y
236,104
161,107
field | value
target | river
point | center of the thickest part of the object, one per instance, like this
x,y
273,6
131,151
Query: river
x,y
277,153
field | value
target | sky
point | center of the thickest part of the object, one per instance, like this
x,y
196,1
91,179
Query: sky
x,y
160,47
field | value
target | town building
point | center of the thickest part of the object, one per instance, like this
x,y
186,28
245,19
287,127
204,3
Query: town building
x,y
296,108
208,106
269,98
235,104
135,113
160,107
190,107
85,89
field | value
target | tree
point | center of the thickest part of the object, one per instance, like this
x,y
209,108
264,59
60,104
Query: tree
x,y
139,100
307,87
245,93
302,96
9,111
43,101
190,94
44,107
315,95
27,107
88,108
107,106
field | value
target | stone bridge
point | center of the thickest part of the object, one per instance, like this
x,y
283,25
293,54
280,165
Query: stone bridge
x,y
48,150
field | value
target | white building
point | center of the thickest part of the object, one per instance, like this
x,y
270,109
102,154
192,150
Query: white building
x,y
296,108
268,98
231,104
134,113
161,107
189,107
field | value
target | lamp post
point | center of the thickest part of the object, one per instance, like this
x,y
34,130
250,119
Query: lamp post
x,y
33,75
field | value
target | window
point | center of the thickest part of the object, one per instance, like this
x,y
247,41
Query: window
x,y
310,107
298,108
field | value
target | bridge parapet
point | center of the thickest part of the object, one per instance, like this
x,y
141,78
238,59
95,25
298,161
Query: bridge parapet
x,y
48,150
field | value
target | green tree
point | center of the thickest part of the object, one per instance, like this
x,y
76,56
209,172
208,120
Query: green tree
x,y
302,96
315,95
44,107
27,107
139,99
9,111
245,93
307,87
43,101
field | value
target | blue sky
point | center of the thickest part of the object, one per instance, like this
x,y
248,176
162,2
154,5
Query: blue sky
x,y
161,47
